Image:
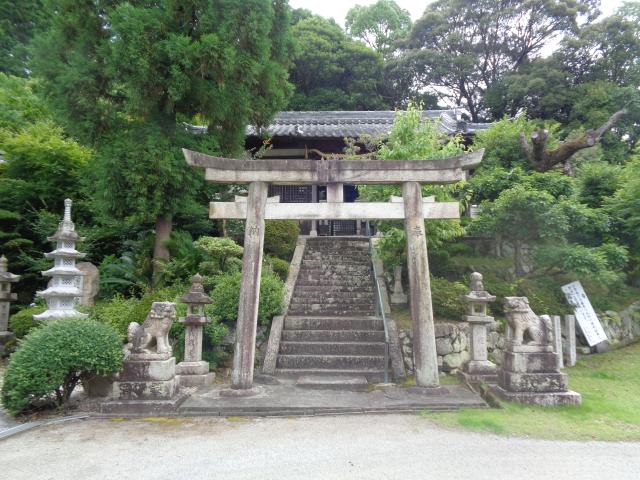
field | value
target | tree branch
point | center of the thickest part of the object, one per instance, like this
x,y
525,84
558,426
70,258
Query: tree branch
x,y
542,159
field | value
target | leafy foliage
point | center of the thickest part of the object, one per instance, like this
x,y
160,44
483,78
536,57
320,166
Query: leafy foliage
x,y
22,322
280,237
226,297
460,49
52,359
332,71
379,25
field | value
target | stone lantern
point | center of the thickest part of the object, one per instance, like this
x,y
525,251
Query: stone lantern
x,y
193,371
6,279
63,292
479,368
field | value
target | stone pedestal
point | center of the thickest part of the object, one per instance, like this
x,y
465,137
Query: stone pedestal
x,y
147,385
530,372
194,374
398,297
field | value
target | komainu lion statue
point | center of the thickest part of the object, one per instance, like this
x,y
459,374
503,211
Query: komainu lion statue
x,y
155,329
526,324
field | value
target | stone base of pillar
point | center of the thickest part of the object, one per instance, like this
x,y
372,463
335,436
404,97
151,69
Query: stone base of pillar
x,y
194,374
6,339
398,298
479,371
547,399
313,233
242,392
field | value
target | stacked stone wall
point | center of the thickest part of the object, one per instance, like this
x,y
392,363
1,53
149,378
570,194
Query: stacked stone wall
x,y
452,339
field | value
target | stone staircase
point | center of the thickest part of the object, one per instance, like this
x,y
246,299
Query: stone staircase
x,y
331,328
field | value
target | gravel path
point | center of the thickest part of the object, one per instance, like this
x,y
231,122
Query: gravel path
x,y
355,447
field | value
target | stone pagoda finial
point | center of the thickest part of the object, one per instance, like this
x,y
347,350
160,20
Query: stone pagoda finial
x,y
193,370
479,368
63,292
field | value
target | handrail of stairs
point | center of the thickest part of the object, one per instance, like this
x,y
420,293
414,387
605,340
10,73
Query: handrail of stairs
x,y
380,308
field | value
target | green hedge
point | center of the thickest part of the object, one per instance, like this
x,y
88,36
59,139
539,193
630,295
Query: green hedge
x,y
52,359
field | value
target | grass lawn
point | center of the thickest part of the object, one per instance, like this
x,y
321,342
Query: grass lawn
x,y
610,388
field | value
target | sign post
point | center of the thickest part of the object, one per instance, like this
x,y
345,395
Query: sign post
x,y
584,312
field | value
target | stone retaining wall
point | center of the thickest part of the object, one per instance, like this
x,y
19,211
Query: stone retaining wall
x,y
452,339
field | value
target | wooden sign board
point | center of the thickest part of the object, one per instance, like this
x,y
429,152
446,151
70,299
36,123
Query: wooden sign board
x,y
584,312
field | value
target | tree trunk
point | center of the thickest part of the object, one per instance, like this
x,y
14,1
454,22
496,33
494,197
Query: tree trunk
x,y
164,225
517,259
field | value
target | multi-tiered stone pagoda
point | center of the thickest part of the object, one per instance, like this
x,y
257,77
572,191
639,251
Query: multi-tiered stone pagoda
x,y
63,292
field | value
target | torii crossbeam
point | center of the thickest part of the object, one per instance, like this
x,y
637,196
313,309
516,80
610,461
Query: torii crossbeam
x,y
411,207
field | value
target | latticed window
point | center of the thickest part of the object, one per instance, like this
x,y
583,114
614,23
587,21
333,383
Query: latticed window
x,y
291,193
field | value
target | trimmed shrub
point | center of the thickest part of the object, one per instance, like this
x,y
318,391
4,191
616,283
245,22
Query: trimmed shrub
x,y
22,323
226,297
278,266
51,360
280,237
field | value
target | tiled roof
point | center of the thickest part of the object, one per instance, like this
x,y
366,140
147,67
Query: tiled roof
x,y
339,124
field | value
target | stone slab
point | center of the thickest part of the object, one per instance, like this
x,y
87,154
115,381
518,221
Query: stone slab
x,y
478,378
328,382
148,370
192,368
532,382
287,399
476,367
241,392
196,380
148,407
547,399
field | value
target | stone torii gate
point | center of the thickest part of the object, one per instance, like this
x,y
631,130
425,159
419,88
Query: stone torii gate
x,y
333,173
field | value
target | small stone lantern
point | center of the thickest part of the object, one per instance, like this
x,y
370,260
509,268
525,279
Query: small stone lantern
x,y
193,371
6,279
479,368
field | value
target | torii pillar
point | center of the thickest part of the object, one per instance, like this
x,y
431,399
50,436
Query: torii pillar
x,y
244,351
424,340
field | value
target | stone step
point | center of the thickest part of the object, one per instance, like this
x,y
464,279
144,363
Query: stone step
x,y
333,312
342,362
332,348
327,282
372,375
339,288
344,301
333,336
333,382
332,323
322,293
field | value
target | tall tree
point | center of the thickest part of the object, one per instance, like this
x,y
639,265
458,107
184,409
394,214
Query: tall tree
x,y
333,72
459,49
19,21
379,25
126,75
